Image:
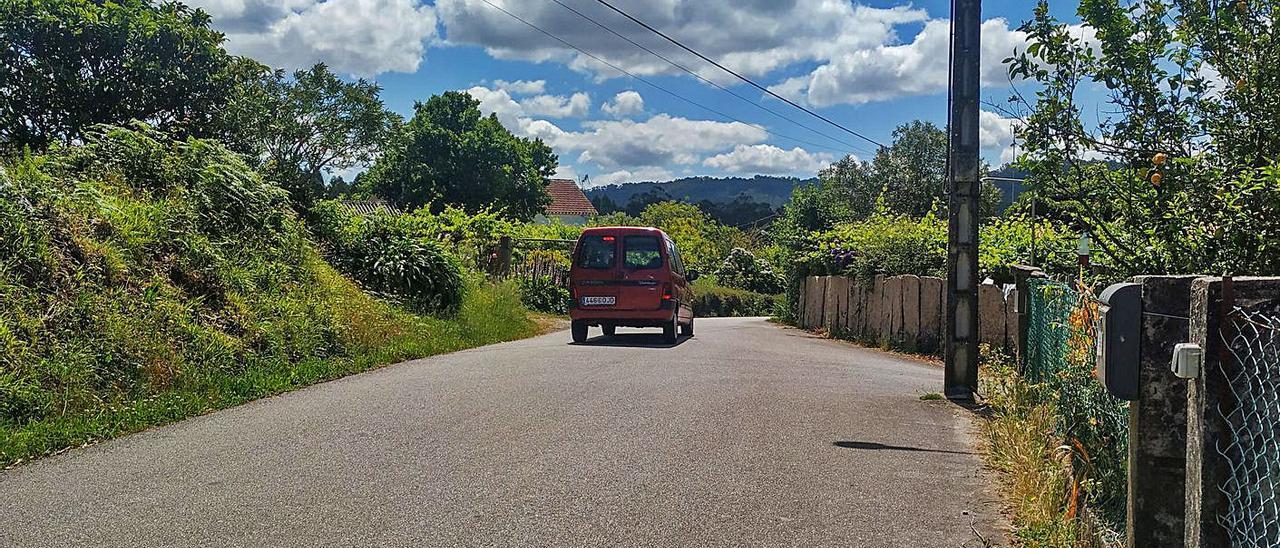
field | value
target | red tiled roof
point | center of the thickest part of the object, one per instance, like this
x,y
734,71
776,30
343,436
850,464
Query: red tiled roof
x,y
568,199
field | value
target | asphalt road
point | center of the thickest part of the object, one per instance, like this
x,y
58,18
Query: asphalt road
x,y
747,434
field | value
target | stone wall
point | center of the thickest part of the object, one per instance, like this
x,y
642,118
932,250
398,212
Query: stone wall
x,y
906,312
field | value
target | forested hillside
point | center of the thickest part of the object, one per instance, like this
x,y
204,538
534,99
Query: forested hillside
x,y
773,191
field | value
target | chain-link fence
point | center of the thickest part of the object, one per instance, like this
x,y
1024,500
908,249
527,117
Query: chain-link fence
x,y
1253,418
1060,356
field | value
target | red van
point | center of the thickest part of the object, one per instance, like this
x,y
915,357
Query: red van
x,y
631,277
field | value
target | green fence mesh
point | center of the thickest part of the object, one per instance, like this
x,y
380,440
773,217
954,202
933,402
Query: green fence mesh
x,y
1253,419
1059,363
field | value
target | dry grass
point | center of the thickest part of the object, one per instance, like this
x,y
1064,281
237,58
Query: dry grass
x,y
1034,465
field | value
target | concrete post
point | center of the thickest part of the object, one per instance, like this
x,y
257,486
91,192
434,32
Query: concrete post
x,y
802,296
991,316
931,313
504,256
1158,418
893,310
960,378
1011,323
875,307
1213,325
911,312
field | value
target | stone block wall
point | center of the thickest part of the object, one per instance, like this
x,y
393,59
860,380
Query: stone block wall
x,y
907,312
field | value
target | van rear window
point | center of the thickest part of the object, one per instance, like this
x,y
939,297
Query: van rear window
x,y
642,252
597,252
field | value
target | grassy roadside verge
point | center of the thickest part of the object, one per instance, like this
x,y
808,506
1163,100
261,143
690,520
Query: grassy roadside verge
x,y
379,334
1040,488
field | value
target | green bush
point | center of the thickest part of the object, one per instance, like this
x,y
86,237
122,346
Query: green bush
x,y
711,300
541,293
892,245
392,255
742,270
882,244
1005,241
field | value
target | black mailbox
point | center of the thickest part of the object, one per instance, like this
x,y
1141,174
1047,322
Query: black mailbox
x,y
1119,338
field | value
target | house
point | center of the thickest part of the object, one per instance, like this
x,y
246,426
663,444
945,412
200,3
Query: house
x,y
568,204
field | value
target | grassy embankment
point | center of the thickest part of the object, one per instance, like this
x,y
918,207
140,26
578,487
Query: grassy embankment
x,y
144,281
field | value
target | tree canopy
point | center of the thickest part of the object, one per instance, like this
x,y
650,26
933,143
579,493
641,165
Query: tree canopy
x,y
69,64
308,124
449,153
1182,174
906,178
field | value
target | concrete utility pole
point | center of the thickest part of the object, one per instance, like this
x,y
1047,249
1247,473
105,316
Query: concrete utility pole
x,y
961,377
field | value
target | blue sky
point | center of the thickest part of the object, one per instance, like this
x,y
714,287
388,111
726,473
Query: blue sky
x,y
867,65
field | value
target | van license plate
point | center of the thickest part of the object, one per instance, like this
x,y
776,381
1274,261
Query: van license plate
x,y
598,301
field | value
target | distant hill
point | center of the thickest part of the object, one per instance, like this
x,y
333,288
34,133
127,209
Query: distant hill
x,y
773,191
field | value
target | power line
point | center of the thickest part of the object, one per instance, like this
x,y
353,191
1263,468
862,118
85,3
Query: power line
x,y
739,76
653,85
753,223
700,77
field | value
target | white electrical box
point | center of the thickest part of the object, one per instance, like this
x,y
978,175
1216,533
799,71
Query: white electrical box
x,y
1188,358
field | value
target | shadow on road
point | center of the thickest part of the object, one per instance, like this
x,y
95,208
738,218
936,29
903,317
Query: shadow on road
x,y
882,447
632,340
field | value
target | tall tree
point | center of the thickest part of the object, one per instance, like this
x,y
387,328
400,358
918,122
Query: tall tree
x,y
907,178
449,153
913,170
68,64
307,125
1188,179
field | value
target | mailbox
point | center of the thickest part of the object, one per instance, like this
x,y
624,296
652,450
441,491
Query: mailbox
x,y
1119,336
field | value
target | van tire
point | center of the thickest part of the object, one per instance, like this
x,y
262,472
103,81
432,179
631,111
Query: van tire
x,y
687,329
669,331
609,329
579,329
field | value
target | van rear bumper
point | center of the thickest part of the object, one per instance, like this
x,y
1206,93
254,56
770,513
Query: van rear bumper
x,y
624,318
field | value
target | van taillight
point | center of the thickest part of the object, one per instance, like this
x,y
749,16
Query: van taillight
x,y
666,292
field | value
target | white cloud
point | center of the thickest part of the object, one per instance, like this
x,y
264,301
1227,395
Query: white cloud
x,y
660,140
557,106
358,37
248,16
996,133
627,103
566,172
769,160
515,114
500,103
616,144
522,87
891,71
782,33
